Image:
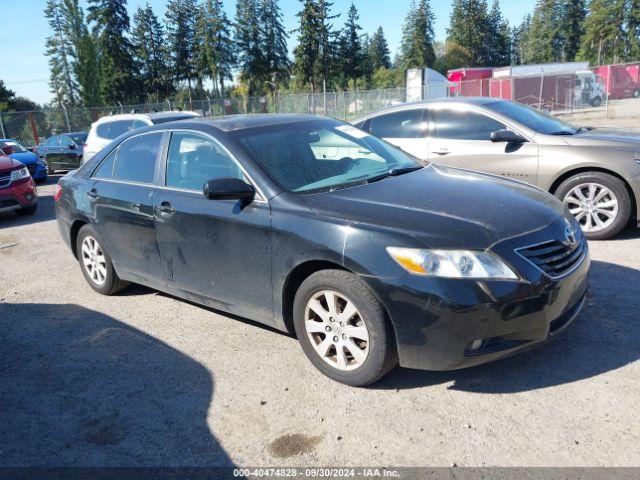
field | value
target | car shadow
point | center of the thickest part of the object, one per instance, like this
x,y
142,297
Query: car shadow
x,y
604,337
81,389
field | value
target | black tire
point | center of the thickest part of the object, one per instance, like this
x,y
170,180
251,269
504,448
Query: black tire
x,y
382,355
636,93
28,210
112,283
616,186
596,102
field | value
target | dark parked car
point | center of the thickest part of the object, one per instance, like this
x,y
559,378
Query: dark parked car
x,y
62,152
373,260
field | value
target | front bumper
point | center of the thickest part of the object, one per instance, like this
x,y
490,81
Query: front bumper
x,y
18,195
437,320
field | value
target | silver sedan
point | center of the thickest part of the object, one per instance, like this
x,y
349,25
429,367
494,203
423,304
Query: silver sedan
x,y
595,172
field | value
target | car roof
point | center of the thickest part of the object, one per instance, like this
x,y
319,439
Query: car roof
x,y
153,116
242,122
426,103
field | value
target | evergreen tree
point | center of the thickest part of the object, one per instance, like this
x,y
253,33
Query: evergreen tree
x,y
215,54
180,22
274,43
417,36
519,41
546,43
351,51
111,24
248,37
469,26
498,38
6,97
603,40
58,49
148,41
378,51
572,27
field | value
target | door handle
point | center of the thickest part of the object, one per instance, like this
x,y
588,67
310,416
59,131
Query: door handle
x,y
441,151
165,209
93,193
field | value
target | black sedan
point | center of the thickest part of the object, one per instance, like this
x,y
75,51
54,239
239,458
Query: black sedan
x,y
62,152
314,227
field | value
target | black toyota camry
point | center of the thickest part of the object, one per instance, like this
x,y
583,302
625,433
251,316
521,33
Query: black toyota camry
x,y
312,226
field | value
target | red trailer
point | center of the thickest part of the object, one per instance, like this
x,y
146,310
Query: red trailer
x,y
470,82
621,81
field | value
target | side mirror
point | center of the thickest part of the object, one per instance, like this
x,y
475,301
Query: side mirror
x,y
72,146
229,189
508,136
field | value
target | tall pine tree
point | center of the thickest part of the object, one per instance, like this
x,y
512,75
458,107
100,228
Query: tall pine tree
x,y
274,43
351,52
180,22
417,39
111,25
58,49
604,33
251,61
378,51
468,27
498,38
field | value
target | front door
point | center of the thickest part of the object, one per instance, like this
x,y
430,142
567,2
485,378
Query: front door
x,y
122,199
462,138
219,249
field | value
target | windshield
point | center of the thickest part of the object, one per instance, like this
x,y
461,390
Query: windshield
x,y
78,138
536,120
322,155
10,146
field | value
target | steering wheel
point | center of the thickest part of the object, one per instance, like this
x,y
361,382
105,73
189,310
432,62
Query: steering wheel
x,y
348,163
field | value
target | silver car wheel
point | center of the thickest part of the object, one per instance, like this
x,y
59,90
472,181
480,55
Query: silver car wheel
x,y
594,206
93,260
337,331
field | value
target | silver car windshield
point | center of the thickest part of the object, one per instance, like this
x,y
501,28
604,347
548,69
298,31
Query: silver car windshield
x,y
536,120
323,155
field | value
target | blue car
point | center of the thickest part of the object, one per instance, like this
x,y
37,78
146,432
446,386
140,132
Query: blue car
x,y
36,166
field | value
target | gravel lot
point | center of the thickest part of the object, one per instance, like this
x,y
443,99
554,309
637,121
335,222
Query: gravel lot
x,y
145,379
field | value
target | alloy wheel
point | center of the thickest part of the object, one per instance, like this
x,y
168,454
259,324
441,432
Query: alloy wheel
x,y
93,260
594,206
336,329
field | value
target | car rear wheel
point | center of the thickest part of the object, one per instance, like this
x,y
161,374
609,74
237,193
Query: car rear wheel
x,y
96,264
343,329
600,203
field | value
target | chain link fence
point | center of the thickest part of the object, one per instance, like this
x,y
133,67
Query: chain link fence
x,y
31,127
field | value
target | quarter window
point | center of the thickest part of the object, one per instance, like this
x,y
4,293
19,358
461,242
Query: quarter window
x,y
194,159
134,160
461,125
404,124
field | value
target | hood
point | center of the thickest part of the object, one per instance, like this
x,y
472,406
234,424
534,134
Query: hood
x,y
605,137
8,163
443,207
25,157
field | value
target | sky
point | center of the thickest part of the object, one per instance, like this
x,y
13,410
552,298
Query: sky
x,y
24,68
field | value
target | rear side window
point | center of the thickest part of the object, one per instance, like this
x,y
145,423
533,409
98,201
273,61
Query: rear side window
x,y
135,159
111,130
404,124
460,125
194,159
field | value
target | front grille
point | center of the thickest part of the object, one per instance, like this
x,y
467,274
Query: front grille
x,y
5,180
554,257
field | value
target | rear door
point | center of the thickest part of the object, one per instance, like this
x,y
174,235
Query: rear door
x,y
406,129
461,137
219,249
122,198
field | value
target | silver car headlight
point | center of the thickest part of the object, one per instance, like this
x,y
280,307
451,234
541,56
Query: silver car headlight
x,y
19,174
451,263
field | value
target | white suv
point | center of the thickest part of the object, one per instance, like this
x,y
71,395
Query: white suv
x,y
106,129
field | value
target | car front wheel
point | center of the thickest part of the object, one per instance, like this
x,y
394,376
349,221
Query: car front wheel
x,y
96,263
600,203
343,329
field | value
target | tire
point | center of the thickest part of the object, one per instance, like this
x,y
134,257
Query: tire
x,y
378,352
596,102
613,224
636,93
107,281
28,210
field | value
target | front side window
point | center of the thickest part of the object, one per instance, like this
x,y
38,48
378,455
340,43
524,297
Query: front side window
x,y
322,155
194,159
462,125
135,158
534,119
404,124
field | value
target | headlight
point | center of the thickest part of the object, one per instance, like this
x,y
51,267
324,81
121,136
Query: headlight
x,y
19,174
451,263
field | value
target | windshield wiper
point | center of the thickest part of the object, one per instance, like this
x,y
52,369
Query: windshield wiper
x,y
394,172
583,129
564,132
